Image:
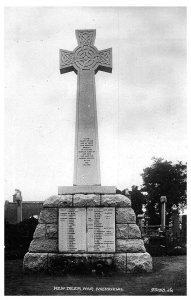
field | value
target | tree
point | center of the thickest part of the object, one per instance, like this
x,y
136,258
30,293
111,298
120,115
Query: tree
x,y
137,199
163,178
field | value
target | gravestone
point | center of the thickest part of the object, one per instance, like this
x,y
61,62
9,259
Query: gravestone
x,y
87,222
163,201
17,198
175,222
141,222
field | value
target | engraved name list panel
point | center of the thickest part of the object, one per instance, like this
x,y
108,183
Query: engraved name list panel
x,y
89,229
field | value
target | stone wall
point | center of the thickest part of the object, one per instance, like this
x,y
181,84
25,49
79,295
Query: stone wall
x,y
130,254
12,212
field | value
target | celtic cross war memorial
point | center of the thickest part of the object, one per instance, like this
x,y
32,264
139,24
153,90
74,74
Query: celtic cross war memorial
x,y
85,61
86,222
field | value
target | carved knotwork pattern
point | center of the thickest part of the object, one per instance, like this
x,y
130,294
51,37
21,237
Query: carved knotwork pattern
x,y
86,38
86,58
105,57
67,58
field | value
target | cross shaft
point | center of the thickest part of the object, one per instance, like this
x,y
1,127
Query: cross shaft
x,y
86,61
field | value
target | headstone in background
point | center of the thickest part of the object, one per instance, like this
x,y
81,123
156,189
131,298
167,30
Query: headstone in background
x,y
163,201
175,222
141,222
17,198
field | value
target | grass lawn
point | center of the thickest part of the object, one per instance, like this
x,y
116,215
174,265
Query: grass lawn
x,y
168,278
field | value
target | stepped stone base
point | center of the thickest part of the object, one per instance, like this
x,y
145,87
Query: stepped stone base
x,y
62,263
130,255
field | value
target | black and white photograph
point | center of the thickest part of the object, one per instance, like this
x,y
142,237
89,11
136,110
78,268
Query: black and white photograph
x,y
95,150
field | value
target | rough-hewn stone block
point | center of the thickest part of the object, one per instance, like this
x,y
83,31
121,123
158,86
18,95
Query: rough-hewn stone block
x,y
54,262
115,200
125,215
128,231
59,262
139,262
42,245
120,262
48,215
35,262
58,201
130,245
51,201
52,231
86,200
65,201
40,231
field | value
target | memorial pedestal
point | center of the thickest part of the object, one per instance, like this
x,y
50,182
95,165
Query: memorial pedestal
x,y
87,229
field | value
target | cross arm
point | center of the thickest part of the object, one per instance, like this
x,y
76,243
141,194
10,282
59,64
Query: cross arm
x,y
66,61
105,60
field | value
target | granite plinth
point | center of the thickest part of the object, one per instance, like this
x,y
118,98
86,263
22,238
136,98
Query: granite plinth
x,y
89,229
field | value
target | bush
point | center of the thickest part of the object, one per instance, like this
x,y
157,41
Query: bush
x,y
18,238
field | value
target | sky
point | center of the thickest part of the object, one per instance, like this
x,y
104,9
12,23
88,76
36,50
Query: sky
x,y
141,105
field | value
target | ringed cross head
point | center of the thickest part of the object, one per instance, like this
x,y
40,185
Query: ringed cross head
x,y
85,56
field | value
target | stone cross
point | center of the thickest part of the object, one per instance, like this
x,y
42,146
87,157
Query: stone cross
x,y
86,60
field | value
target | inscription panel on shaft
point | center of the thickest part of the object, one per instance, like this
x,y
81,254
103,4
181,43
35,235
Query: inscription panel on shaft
x,y
101,229
86,152
72,229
